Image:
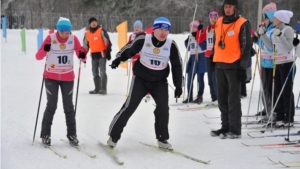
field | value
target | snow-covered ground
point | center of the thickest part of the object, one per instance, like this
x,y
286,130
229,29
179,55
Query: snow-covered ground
x,y
21,77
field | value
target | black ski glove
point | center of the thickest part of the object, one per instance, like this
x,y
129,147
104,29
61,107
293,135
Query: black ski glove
x,y
178,92
82,55
116,63
254,39
200,27
47,47
296,41
242,75
108,56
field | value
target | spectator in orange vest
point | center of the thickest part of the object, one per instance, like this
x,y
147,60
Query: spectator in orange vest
x,y
97,40
230,55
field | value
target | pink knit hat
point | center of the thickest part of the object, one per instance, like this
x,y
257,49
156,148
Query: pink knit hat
x,y
195,24
271,7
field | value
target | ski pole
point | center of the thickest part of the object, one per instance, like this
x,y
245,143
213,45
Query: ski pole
x,y
79,70
298,100
187,50
273,86
263,97
193,70
259,97
256,63
272,112
262,94
191,83
290,110
38,110
291,105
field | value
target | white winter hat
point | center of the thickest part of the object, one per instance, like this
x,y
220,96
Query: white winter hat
x,y
284,15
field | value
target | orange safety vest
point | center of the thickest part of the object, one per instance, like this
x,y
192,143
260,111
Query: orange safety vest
x,y
230,36
96,42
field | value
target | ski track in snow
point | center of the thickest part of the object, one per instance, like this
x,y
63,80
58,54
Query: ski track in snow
x,y
21,78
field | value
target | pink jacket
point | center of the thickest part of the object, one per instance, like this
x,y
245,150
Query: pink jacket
x,y
41,54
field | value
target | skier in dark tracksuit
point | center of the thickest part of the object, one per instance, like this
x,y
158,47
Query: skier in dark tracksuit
x,y
231,54
150,75
59,49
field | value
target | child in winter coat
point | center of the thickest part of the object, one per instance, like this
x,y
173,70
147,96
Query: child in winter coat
x,y
138,28
267,58
208,35
282,42
196,63
59,49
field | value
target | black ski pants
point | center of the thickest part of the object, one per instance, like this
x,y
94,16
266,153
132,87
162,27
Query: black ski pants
x,y
66,88
267,75
286,104
229,100
138,89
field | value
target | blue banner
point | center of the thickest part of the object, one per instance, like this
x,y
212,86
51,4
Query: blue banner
x,y
4,27
40,38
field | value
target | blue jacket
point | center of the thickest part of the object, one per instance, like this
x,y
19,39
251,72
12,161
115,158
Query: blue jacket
x,y
297,27
267,63
200,66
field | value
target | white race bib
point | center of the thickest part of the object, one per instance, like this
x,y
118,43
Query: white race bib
x,y
155,58
209,39
60,57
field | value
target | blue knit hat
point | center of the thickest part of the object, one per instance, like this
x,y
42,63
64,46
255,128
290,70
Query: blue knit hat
x,y
138,23
162,22
63,24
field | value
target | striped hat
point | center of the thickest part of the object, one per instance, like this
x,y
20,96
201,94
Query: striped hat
x,y
162,22
63,25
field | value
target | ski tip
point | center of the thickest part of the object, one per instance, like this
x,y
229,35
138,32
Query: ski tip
x,y
245,144
283,164
271,160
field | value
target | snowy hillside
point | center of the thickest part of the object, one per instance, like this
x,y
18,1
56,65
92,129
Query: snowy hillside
x,y
21,78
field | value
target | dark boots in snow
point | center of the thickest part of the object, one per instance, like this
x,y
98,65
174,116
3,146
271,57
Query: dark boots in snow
x,y
103,90
198,100
97,83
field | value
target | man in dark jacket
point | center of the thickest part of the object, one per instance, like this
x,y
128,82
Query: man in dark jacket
x,y
231,54
150,75
97,39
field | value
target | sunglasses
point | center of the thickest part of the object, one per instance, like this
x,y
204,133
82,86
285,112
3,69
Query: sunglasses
x,y
213,15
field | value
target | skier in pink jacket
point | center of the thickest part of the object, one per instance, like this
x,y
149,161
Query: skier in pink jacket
x,y
59,49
